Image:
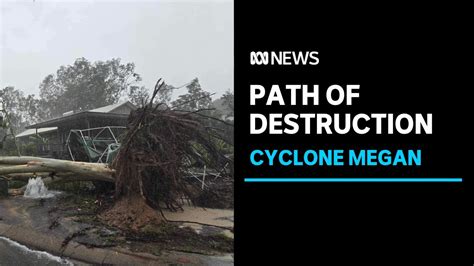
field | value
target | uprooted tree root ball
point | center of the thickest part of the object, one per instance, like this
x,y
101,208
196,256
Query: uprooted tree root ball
x,y
131,213
160,144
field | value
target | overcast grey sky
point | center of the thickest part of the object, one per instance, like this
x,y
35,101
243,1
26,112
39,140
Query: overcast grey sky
x,y
174,40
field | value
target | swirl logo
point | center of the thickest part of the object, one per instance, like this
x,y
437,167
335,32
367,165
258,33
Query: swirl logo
x,y
259,58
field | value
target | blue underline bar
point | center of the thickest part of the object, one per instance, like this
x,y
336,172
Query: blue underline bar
x,y
353,180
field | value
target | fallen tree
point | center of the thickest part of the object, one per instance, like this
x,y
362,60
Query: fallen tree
x,y
160,145
26,176
12,166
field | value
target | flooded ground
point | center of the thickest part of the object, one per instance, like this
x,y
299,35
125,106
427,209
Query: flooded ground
x,y
74,218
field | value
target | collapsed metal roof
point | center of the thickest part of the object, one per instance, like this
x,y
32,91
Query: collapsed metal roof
x,y
99,113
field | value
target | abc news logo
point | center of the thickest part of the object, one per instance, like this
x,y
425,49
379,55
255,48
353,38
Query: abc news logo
x,y
284,58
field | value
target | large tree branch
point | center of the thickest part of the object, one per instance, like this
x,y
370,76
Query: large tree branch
x,y
28,164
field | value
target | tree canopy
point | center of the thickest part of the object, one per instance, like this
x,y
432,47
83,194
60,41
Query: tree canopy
x,y
85,85
195,99
22,110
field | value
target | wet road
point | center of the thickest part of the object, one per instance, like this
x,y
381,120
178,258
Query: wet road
x,y
31,214
12,253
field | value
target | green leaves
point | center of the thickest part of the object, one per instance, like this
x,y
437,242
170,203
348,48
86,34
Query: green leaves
x,y
195,99
21,109
85,85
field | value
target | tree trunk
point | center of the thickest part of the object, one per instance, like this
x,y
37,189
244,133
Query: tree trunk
x,y
12,165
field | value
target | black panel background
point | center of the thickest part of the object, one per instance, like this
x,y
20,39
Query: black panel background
x,y
406,59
